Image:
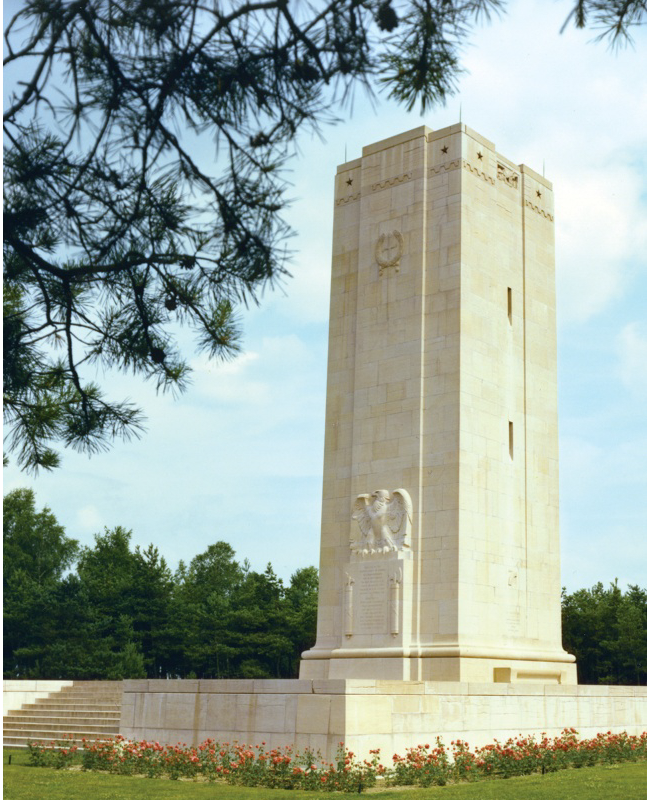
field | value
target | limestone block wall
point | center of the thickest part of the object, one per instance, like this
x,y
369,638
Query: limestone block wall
x,y
18,693
508,483
190,711
367,714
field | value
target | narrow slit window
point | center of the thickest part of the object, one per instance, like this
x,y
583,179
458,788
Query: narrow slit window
x,y
509,305
511,439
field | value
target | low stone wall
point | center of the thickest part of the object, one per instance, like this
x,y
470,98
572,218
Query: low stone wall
x,y
18,693
366,714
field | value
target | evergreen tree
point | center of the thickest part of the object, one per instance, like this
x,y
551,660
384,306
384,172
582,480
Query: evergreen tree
x,y
152,597
203,598
301,609
606,630
259,632
33,542
129,595
36,554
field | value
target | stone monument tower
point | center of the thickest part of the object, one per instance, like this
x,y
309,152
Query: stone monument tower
x,y
440,543
439,603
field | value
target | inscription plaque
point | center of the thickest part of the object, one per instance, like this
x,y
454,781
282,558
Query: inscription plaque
x,y
512,621
373,600
372,595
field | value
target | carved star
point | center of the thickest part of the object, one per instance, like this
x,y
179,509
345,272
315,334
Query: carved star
x,y
480,155
444,149
349,181
539,194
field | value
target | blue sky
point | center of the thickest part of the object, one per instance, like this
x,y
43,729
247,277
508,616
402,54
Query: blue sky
x,y
239,456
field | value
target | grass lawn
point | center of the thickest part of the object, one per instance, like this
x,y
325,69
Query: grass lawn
x,y
21,782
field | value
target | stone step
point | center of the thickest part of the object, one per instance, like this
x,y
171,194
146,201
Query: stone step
x,y
84,719
75,701
61,703
38,708
56,723
93,685
16,739
103,697
64,713
115,689
90,710
64,727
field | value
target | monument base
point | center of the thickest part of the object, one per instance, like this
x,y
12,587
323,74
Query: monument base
x,y
464,669
366,714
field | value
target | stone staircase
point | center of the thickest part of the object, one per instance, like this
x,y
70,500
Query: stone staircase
x,y
87,709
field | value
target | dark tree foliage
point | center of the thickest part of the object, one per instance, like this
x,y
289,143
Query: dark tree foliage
x,y
36,554
33,543
123,614
119,225
606,630
302,608
613,19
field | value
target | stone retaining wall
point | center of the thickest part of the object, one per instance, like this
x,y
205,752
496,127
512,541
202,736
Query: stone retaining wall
x,y
366,714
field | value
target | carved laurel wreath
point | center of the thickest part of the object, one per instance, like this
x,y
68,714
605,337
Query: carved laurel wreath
x,y
379,247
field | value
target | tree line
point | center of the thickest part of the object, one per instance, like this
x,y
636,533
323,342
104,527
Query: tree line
x,y
110,611
606,629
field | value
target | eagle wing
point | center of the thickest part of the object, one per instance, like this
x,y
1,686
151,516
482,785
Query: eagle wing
x,y
360,513
400,511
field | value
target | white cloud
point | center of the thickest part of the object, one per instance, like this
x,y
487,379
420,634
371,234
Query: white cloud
x,y
578,109
224,368
90,520
600,238
275,374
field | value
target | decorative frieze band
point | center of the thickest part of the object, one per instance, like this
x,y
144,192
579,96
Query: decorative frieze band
x,y
349,199
538,210
391,181
479,173
447,166
509,177
456,164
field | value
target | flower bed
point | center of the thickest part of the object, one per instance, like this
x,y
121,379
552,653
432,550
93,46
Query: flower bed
x,y
424,765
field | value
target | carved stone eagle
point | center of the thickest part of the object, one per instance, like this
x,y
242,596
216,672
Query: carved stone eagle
x,y
384,522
